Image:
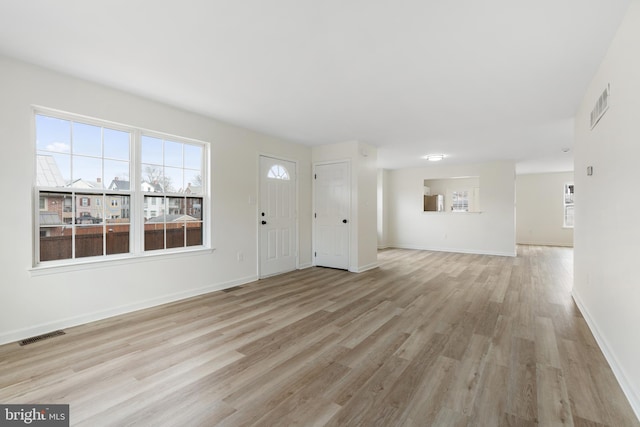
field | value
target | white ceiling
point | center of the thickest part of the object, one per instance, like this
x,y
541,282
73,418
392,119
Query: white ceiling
x,y
477,80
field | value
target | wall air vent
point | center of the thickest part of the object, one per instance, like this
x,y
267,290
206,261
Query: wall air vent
x,y
601,107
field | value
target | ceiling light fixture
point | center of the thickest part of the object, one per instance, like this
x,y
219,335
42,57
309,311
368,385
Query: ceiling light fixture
x,y
434,157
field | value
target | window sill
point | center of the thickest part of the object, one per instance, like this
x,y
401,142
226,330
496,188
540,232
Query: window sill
x,y
90,264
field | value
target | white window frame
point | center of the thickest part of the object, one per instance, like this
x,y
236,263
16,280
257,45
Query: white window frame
x,y
136,221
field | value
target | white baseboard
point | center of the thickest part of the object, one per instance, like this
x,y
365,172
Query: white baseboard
x,y
564,245
305,265
629,390
457,250
19,334
364,268
383,246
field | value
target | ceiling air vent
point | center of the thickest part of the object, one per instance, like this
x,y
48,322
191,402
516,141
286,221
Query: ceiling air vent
x,y
601,107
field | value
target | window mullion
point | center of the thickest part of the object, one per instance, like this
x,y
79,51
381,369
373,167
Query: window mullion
x,y
183,209
136,217
73,193
36,226
104,221
166,212
73,223
103,208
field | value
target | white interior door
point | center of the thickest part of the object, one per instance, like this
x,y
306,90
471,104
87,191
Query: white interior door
x,y
277,216
331,217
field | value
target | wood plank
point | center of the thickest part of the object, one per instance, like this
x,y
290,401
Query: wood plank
x,y
427,338
546,345
554,408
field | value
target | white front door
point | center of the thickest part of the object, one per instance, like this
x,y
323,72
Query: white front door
x,y
331,216
277,216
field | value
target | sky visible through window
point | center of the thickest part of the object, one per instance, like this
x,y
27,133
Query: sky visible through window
x,y
176,170
83,152
99,155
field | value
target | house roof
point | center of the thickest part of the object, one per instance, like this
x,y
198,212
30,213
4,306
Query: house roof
x,y
171,218
153,186
83,183
193,189
50,218
118,184
47,172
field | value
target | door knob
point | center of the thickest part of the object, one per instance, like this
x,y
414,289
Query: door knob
x,y
344,221
264,222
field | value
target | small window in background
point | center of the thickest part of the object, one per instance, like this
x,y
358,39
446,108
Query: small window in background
x,y
460,201
568,206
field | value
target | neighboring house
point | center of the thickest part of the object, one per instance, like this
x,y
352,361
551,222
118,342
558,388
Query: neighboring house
x,y
88,206
193,189
52,205
83,183
118,207
118,184
151,187
52,221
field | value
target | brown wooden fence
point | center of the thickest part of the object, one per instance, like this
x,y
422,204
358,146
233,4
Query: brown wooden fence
x,y
59,247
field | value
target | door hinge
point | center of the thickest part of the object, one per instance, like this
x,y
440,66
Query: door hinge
x,y
315,215
315,176
315,254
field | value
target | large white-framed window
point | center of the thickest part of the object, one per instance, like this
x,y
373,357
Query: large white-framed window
x,y
172,174
86,205
568,210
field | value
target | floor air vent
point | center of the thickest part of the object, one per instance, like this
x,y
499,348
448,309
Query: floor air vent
x,y
41,337
235,288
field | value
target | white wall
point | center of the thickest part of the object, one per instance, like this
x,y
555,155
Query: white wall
x,y
607,230
366,168
363,230
540,209
492,231
31,304
383,208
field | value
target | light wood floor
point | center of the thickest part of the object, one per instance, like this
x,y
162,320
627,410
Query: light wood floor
x,y
426,339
